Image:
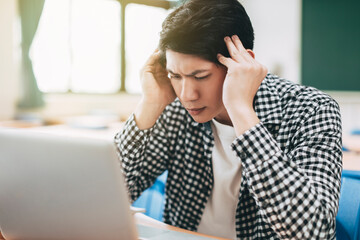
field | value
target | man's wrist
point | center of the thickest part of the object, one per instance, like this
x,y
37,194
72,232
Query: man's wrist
x,y
243,118
147,113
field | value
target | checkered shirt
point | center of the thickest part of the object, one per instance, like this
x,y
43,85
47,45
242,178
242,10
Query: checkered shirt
x,y
291,164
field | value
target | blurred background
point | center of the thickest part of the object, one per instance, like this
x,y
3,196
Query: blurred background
x,y
78,61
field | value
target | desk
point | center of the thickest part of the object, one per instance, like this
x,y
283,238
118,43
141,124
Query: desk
x,y
352,142
351,160
148,221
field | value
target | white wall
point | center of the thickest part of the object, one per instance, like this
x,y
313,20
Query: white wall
x,y
9,59
277,28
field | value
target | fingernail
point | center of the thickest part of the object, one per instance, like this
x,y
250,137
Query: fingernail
x,y
227,38
235,36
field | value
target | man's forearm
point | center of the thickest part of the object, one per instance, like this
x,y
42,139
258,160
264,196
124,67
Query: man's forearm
x,y
147,113
242,118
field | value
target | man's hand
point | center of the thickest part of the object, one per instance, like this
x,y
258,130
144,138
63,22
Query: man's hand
x,y
156,85
157,92
242,81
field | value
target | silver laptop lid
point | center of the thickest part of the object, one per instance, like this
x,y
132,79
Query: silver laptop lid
x,y
59,187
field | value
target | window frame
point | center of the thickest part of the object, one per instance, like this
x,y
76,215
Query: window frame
x,y
123,3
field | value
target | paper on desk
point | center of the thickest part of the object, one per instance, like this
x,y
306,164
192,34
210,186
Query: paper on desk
x,y
134,210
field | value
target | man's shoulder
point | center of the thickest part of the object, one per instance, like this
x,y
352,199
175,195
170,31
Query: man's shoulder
x,y
290,93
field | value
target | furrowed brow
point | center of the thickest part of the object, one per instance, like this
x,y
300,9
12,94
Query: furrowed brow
x,y
188,75
171,72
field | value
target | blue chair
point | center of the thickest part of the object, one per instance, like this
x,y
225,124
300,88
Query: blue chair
x,y
351,174
153,198
348,218
355,132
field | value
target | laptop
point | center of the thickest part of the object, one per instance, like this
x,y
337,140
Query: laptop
x,y
61,187
64,187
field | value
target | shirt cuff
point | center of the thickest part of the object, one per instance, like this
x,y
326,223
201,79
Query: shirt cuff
x,y
255,146
131,137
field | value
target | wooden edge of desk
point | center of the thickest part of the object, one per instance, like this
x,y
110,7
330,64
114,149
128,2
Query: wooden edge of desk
x,y
148,221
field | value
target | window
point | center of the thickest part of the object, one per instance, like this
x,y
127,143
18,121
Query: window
x,y
142,38
78,45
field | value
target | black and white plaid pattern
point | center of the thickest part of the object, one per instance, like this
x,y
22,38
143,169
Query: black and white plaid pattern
x,y
291,164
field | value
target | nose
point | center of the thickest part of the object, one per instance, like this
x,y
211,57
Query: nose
x,y
189,91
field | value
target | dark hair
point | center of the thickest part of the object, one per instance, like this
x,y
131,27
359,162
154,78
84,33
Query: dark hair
x,y
198,27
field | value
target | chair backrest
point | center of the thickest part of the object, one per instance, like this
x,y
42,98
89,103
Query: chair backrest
x,y
351,174
153,198
348,218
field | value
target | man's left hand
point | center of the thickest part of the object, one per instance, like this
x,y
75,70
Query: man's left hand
x,y
244,76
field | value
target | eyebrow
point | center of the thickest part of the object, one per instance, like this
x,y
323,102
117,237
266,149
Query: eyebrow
x,y
189,75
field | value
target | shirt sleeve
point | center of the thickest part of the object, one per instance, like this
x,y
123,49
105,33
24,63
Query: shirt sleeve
x,y
297,190
143,154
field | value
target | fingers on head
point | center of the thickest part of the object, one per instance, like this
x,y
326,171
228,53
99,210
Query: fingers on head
x,y
227,62
237,42
233,51
153,59
235,46
222,59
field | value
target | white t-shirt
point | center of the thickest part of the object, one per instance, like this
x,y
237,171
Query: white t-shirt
x,y
218,218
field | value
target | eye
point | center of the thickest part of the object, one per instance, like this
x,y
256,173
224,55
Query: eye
x,y
199,78
174,77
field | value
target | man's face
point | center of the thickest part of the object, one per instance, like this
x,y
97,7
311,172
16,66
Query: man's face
x,y
198,84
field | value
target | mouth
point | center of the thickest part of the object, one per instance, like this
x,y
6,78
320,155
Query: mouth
x,y
195,111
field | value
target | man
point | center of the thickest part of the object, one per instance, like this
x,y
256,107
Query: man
x,y
249,155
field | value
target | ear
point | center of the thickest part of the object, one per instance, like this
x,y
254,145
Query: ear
x,y
252,54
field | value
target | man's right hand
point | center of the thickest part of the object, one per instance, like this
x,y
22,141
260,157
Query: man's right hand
x,y
157,92
155,83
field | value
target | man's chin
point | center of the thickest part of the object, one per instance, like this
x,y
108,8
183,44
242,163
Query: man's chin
x,y
200,119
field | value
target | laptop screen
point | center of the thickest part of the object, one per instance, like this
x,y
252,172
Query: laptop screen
x,y
61,187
